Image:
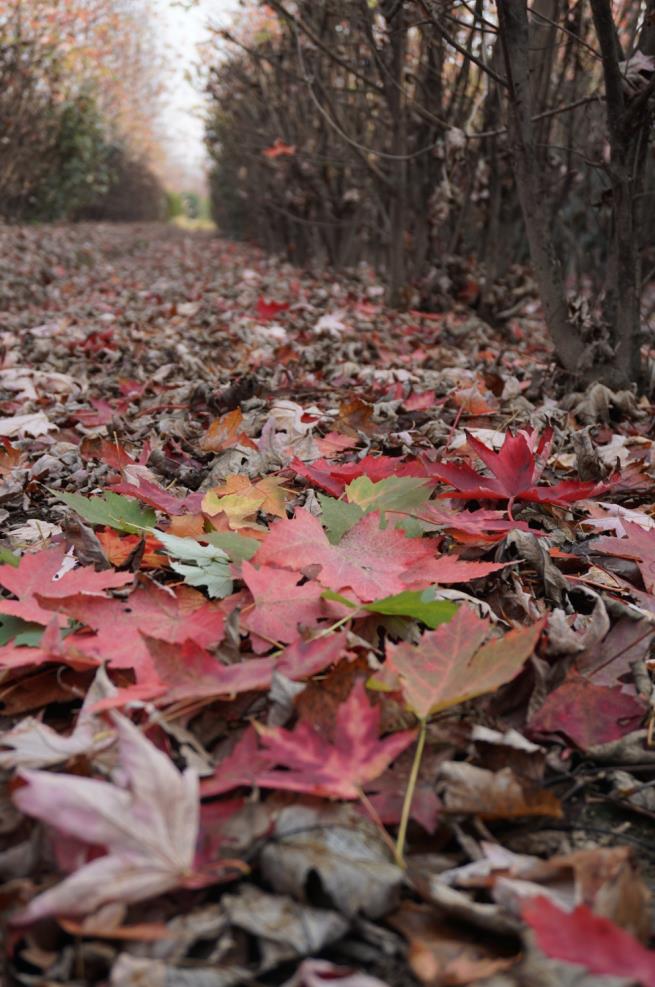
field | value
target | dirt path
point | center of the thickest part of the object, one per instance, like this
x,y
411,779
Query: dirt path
x,y
374,535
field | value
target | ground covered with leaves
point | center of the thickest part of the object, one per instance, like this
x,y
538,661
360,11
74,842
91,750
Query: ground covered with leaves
x,y
325,632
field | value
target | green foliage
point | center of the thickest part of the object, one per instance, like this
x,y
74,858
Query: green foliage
x,y
79,163
417,604
174,205
111,510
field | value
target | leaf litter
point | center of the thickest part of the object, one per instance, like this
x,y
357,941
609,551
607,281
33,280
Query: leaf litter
x,y
325,638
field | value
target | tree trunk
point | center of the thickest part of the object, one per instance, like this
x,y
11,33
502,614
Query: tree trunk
x,y
513,21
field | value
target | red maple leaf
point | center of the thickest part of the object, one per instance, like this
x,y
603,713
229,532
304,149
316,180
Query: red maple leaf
x,y
588,714
155,496
280,604
189,672
590,940
449,569
152,610
279,149
368,560
639,544
471,526
334,478
239,768
454,664
302,659
313,765
516,470
266,311
38,574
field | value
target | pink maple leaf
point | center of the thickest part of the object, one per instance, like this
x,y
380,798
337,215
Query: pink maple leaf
x,y
449,569
313,765
239,768
368,560
152,610
39,574
280,604
148,826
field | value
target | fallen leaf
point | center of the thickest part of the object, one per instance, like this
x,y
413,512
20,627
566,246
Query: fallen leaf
x,y
590,941
337,770
148,826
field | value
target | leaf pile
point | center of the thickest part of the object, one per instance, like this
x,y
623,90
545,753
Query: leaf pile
x,y
311,664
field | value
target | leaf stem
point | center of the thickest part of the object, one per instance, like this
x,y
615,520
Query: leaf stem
x,y
409,793
375,816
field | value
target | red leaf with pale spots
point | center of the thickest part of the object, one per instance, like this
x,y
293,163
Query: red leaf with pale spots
x,y
368,560
37,574
588,714
313,765
281,606
589,940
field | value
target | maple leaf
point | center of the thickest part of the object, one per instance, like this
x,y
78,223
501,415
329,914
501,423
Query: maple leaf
x,y
224,433
148,826
368,560
267,311
188,672
240,768
449,569
281,606
589,940
268,494
151,610
200,565
639,544
516,468
302,659
588,714
150,493
315,766
279,149
111,510
471,526
334,477
453,664
46,574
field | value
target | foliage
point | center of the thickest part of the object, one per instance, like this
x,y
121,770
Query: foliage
x,y
75,77
388,133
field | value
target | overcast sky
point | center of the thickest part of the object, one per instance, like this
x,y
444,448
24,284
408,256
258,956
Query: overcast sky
x,y
180,30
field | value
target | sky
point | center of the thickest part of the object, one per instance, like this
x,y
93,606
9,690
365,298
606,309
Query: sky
x,y
180,28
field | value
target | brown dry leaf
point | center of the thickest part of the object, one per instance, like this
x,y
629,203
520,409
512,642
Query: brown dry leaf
x,y
224,433
355,416
442,954
469,790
